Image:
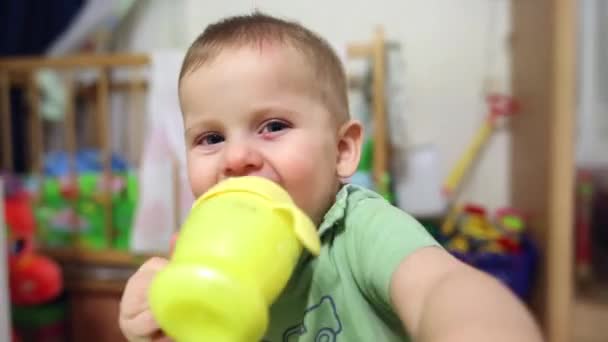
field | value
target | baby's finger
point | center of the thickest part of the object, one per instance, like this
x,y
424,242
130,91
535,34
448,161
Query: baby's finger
x,y
143,325
135,295
154,264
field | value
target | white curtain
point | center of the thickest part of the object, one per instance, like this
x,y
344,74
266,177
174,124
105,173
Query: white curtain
x,y
165,197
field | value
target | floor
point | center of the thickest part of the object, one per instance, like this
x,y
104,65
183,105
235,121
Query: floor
x,y
591,315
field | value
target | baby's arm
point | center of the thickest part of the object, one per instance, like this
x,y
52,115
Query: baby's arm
x,y
439,298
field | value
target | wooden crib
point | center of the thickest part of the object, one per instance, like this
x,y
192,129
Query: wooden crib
x,y
94,279
20,74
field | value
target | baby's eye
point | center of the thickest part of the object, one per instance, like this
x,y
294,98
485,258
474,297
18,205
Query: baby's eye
x,y
210,139
274,126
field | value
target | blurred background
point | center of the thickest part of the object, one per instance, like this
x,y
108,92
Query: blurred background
x,y
487,120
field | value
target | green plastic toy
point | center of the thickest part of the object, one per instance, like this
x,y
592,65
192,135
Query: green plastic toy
x,y
72,214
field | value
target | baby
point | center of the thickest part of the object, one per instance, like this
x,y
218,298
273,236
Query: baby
x,y
267,97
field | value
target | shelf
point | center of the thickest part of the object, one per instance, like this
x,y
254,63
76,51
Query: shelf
x,y
96,258
590,313
590,319
96,286
103,271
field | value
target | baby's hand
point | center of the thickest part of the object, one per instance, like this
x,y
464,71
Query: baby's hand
x,y
135,318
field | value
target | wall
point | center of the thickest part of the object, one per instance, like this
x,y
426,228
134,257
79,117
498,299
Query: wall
x,y
592,132
450,48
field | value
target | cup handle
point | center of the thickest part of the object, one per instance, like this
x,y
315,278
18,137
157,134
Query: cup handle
x,y
304,228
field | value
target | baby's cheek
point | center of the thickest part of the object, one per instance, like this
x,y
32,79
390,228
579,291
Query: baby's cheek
x,y
300,167
308,179
200,176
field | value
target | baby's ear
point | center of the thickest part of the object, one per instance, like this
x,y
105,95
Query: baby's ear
x,y
350,137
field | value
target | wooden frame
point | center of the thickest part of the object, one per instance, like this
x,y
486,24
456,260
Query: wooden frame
x,y
376,52
544,80
20,72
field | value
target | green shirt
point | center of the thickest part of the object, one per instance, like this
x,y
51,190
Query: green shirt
x,y
343,294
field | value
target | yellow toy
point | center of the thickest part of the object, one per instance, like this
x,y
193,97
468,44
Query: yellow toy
x,y
235,253
499,106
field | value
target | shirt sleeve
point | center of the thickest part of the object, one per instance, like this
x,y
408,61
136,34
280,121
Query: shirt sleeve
x,y
380,237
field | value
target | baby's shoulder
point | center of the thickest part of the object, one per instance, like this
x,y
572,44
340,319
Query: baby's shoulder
x,y
368,210
360,215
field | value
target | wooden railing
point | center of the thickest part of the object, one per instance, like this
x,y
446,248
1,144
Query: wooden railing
x,y
20,73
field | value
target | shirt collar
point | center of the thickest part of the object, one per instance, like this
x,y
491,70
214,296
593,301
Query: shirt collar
x,y
337,212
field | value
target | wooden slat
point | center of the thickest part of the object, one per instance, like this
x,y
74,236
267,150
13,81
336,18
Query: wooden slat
x,y
129,86
379,109
89,119
70,123
134,130
561,176
36,132
5,116
542,152
102,118
359,50
20,79
138,85
75,61
69,134
530,142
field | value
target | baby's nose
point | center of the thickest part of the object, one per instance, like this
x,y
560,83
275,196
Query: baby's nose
x,y
241,160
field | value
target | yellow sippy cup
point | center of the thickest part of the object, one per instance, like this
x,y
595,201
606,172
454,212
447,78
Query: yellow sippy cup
x,y
235,254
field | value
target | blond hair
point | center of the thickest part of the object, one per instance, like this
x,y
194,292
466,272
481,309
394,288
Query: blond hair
x,y
257,29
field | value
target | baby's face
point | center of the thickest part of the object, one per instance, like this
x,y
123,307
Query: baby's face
x,y
252,112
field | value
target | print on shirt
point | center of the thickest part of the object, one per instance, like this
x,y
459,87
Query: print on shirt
x,y
328,332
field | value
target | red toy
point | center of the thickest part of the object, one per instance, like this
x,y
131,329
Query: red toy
x,y
33,278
